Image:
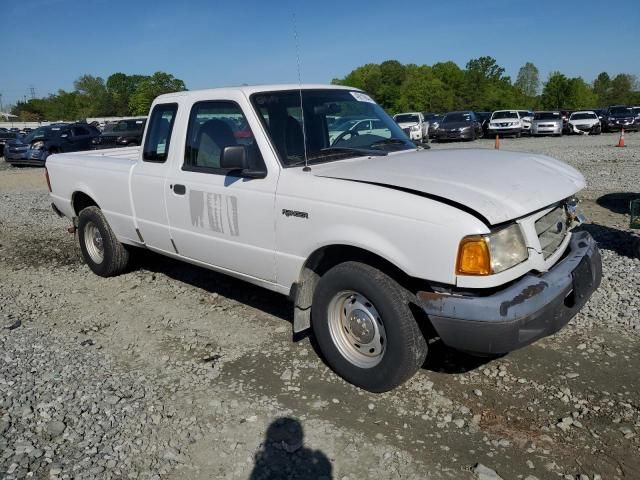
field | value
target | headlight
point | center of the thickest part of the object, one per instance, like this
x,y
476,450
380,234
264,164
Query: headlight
x,y
121,140
435,125
37,145
415,128
493,253
462,129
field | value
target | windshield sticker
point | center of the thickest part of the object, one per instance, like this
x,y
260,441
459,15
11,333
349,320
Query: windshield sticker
x,y
362,97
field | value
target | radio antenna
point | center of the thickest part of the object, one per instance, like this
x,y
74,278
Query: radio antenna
x,y
299,65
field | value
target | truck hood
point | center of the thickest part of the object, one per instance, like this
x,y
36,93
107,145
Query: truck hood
x,y
407,124
497,185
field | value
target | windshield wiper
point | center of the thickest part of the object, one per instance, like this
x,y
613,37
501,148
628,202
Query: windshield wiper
x,y
330,150
389,141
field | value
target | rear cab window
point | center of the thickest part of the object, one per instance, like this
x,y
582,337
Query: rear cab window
x,y
158,139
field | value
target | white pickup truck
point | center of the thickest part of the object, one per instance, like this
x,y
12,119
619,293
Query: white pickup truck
x,y
376,241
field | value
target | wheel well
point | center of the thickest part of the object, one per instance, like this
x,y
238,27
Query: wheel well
x,y
80,201
327,257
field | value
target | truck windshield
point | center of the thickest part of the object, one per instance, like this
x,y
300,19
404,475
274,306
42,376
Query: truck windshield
x,y
338,124
546,116
499,115
407,118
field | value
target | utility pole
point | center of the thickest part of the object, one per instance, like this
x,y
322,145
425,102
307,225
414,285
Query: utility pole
x,y
1,107
32,90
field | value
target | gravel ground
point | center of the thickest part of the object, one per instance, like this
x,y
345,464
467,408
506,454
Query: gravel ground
x,y
171,371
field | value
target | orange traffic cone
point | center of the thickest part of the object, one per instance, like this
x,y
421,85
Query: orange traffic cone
x,y
621,140
497,145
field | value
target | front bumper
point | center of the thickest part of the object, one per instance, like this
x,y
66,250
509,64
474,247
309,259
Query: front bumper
x,y
615,127
454,135
533,307
504,130
547,130
29,157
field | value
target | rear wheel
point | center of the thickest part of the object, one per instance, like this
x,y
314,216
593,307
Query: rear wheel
x,y
101,250
365,328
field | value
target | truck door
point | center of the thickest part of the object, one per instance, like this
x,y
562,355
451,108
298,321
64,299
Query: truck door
x,y
216,216
148,180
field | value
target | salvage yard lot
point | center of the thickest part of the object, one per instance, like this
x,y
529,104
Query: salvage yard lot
x,y
171,371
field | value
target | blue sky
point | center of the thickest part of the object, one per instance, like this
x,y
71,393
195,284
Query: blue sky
x,y
49,43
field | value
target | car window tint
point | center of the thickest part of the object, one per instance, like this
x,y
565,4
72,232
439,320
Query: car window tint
x,y
79,131
213,126
156,144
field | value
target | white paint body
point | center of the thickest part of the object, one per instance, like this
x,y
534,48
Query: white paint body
x,y
411,208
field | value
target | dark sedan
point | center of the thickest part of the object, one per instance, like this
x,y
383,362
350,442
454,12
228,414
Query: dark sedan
x,y
620,117
33,149
459,126
124,133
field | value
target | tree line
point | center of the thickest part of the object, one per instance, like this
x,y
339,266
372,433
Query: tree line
x,y
120,95
483,86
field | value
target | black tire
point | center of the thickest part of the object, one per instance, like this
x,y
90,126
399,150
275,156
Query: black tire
x,y
405,347
518,135
115,257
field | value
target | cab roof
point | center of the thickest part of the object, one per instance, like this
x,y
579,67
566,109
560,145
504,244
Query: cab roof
x,y
251,89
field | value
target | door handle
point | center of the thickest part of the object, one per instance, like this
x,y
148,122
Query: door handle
x,y
179,189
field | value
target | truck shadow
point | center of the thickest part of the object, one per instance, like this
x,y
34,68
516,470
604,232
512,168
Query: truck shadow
x,y
617,202
237,290
609,238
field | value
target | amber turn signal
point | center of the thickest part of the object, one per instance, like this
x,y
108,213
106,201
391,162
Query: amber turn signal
x,y
473,256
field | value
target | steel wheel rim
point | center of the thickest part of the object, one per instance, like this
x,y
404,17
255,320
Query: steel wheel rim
x,y
356,329
93,242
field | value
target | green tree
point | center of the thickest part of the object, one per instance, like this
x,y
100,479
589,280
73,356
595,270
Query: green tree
x,y
622,87
121,87
528,80
579,94
555,91
149,88
602,88
92,98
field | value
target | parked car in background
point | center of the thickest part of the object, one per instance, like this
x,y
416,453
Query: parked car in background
x,y
5,137
33,149
602,115
434,124
124,133
585,121
483,118
459,126
414,125
14,130
505,122
348,129
547,123
636,112
526,117
620,116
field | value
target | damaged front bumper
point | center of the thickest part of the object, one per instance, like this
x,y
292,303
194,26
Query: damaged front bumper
x,y
533,307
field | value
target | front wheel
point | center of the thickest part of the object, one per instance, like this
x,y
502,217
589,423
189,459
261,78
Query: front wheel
x,y
101,250
365,328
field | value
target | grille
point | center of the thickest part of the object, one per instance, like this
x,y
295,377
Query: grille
x,y
551,230
108,140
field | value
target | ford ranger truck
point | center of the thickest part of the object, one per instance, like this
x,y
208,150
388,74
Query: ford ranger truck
x,y
374,239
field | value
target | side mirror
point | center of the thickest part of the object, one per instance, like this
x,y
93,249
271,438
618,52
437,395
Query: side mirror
x,y
236,157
